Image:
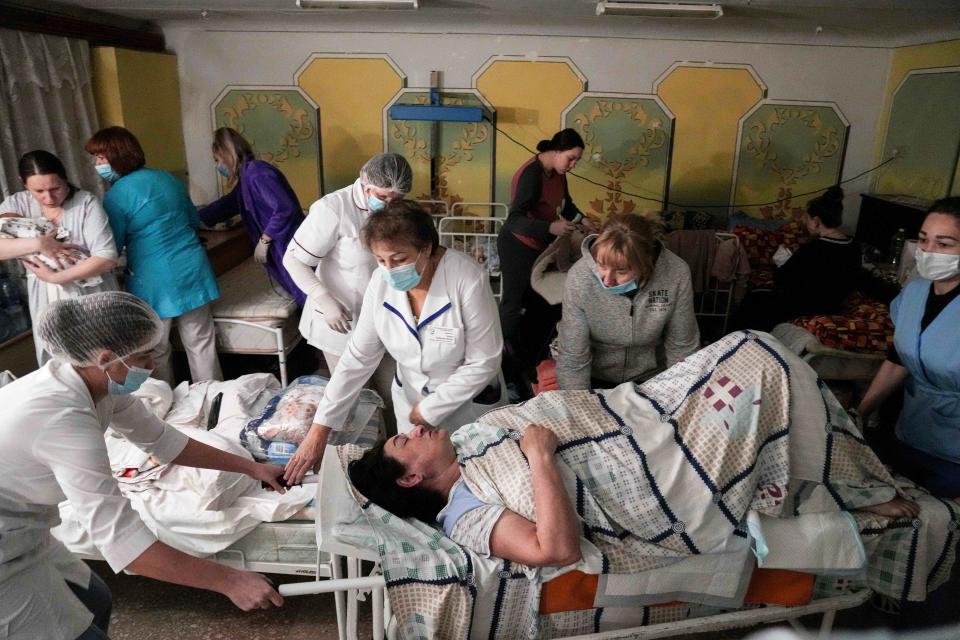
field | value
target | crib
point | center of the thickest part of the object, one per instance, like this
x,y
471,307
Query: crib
x,y
477,238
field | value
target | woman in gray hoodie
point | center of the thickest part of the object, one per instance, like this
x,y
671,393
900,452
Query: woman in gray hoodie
x,y
628,296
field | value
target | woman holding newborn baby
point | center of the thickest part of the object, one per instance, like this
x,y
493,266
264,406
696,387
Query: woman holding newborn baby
x,y
69,229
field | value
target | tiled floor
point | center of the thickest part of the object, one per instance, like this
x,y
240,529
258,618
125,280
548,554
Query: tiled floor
x,y
145,609
149,610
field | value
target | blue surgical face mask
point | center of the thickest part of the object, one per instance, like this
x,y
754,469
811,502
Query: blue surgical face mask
x,y
136,376
106,172
404,277
222,170
618,289
375,204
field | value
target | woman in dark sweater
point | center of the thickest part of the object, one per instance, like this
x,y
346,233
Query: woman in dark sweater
x,y
816,279
540,211
822,273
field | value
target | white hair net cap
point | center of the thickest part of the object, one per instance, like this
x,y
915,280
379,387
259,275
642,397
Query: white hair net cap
x,y
79,329
388,171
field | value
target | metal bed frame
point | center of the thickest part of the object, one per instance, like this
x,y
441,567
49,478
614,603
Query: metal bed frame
x,y
347,583
472,233
716,301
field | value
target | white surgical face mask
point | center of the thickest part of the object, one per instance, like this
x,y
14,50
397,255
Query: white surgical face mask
x,y
937,266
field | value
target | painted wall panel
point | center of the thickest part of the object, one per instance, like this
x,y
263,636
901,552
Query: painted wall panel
x,y
708,102
350,92
904,60
464,151
787,150
141,91
926,143
212,56
529,98
628,143
282,127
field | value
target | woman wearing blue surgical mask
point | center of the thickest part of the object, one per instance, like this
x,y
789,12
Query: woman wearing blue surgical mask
x,y
154,220
627,296
924,359
328,261
265,201
52,449
432,310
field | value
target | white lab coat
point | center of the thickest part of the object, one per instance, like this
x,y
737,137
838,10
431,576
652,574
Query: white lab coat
x,y
330,237
52,449
444,358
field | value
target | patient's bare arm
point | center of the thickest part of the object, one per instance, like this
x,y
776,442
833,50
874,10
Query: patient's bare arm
x,y
554,539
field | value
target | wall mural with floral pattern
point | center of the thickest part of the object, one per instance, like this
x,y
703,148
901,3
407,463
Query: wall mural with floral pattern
x,y
628,141
642,153
461,153
784,150
281,124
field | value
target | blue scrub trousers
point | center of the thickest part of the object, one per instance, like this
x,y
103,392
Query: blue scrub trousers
x,y
97,598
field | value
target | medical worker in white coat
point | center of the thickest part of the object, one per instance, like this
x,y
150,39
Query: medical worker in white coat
x,y
52,449
328,261
432,309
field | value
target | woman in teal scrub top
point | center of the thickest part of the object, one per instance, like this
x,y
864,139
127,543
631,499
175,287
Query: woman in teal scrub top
x,y
152,217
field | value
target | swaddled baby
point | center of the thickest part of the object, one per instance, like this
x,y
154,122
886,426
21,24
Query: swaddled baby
x,y
12,227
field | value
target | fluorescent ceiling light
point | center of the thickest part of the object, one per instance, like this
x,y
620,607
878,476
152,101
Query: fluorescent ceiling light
x,y
659,9
370,5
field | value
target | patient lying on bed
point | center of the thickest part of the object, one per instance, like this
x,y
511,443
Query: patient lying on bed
x,y
647,480
418,475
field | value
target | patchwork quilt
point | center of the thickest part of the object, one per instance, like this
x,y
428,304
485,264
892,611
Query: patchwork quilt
x,y
664,476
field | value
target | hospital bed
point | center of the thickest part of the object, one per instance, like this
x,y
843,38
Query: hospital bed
x,y
255,316
347,583
903,559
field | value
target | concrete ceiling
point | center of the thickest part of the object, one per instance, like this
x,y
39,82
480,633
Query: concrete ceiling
x,y
852,22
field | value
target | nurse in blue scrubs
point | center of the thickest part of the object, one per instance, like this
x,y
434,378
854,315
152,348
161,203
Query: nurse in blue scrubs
x,y
153,218
925,359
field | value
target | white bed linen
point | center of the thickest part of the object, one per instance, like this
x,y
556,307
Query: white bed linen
x,y
199,511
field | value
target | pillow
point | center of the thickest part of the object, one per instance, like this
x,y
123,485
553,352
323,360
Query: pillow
x,y
288,416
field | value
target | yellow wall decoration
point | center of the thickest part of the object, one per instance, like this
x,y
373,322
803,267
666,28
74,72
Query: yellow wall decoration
x,y
140,90
529,97
351,120
708,102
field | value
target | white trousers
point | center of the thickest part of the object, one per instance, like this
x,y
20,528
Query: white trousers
x,y
381,381
198,336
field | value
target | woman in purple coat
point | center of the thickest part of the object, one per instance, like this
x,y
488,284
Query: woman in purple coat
x,y
267,204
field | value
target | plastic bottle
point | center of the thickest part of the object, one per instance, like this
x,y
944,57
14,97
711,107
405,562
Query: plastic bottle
x,y
896,246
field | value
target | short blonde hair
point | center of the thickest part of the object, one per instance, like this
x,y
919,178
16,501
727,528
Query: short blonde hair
x,y
628,241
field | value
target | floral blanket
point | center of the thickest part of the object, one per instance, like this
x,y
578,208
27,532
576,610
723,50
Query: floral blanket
x,y
664,476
